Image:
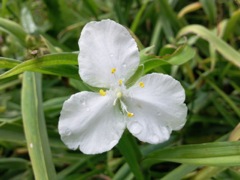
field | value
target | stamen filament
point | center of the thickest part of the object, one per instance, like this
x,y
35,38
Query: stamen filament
x,y
124,108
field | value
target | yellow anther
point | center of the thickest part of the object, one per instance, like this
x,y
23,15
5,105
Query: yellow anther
x,y
141,84
129,114
102,92
113,70
120,82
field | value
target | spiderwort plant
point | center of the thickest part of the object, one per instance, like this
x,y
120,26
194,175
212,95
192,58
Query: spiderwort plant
x,y
95,121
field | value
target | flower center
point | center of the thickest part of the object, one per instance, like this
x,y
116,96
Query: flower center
x,y
120,91
118,100
117,91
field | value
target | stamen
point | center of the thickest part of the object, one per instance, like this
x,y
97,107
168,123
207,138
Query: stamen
x,y
113,70
141,84
102,92
129,114
120,82
124,108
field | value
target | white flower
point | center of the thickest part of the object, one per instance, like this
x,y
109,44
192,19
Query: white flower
x,y
150,109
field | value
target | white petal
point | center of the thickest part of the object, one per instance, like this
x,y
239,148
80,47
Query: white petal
x,y
158,108
105,45
91,122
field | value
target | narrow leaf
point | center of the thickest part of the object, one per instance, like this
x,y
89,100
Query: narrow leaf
x,y
14,29
51,64
209,6
231,24
222,47
129,149
180,56
8,63
210,154
35,128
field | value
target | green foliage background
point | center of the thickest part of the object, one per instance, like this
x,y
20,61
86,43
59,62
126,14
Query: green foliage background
x,y
196,42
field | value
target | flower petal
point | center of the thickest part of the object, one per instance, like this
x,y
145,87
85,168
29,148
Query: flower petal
x,y
157,103
91,122
108,53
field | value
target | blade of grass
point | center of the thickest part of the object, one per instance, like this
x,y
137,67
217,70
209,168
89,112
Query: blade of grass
x,y
8,63
208,172
224,112
209,6
210,154
179,172
119,12
122,173
136,76
3,8
224,96
12,133
155,39
12,162
231,24
180,56
48,63
189,8
35,128
169,13
222,47
137,19
129,149
13,28
92,6
9,84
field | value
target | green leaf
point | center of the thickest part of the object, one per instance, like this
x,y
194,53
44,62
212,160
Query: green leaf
x,y
123,173
57,64
27,20
69,71
54,14
169,14
225,97
189,8
222,47
179,172
35,128
208,172
181,55
3,7
138,17
129,149
231,24
92,6
209,6
50,46
12,133
219,105
54,103
72,168
8,63
13,163
209,154
13,29
9,83
136,76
